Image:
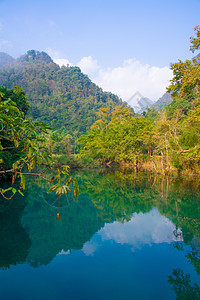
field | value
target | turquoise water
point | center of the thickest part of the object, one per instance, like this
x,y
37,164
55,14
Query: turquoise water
x,y
128,236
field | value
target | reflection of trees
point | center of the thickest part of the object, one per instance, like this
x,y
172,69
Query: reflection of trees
x,y
105,197
77,224
182,287
193,257
182,206
117,196
14,239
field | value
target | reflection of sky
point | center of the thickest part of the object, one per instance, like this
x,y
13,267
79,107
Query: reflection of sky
x,y
142,229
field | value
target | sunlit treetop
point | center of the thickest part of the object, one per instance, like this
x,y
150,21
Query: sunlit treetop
x,y
186,80
195,41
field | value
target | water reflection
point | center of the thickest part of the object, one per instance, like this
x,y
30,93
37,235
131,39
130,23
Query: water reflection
x,y
142,229
130,212
131,208
15,241
181,285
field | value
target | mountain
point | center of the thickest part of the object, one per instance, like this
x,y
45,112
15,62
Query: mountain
x,y
162,101
142,104
139,103
63,97
5,59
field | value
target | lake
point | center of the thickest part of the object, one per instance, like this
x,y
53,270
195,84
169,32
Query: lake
x,y
129,235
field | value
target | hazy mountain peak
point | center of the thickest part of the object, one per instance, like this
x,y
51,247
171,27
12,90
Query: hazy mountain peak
x,y
5,59
34,56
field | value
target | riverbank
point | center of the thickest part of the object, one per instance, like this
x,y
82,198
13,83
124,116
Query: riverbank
x,y
155,165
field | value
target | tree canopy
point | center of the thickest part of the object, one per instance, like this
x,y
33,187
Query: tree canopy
x,y
168,140
21,142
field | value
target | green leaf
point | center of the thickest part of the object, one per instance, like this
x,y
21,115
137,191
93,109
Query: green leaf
x,y
20,193
22,183
54,187
68,181
65,169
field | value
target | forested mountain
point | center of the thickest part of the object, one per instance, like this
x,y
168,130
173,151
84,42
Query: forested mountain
x,y
162,101
63,97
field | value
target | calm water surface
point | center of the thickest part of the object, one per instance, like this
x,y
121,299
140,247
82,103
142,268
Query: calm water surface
x,y
128,236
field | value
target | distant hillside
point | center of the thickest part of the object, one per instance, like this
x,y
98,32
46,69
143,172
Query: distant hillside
x,y
5,59
142,104
62,97
162,102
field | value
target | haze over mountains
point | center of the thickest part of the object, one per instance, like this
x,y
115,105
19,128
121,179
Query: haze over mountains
x,y
61,96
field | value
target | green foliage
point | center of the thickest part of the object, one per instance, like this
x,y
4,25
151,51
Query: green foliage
x,y
118,136
27,139
177,135
151,114
61,97
186,78
166,141
17,95
195,41
68,101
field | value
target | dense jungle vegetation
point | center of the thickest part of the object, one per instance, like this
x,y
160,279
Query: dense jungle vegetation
x,y
167,141
63,97
71,104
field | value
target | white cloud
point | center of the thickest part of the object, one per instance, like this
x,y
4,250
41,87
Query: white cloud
x,y
125,80
62,62
56,56
134,77
88,65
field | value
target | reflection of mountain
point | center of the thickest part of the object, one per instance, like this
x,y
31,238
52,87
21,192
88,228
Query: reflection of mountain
x,y
139,209
14,239
77,224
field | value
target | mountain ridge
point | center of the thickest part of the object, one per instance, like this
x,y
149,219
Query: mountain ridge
x,y
60,96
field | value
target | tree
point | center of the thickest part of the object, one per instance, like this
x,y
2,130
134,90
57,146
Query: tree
x,y
177,131
24,138
118,136
186,80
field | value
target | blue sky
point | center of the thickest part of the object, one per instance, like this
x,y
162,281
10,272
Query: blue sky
x,y
107,39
